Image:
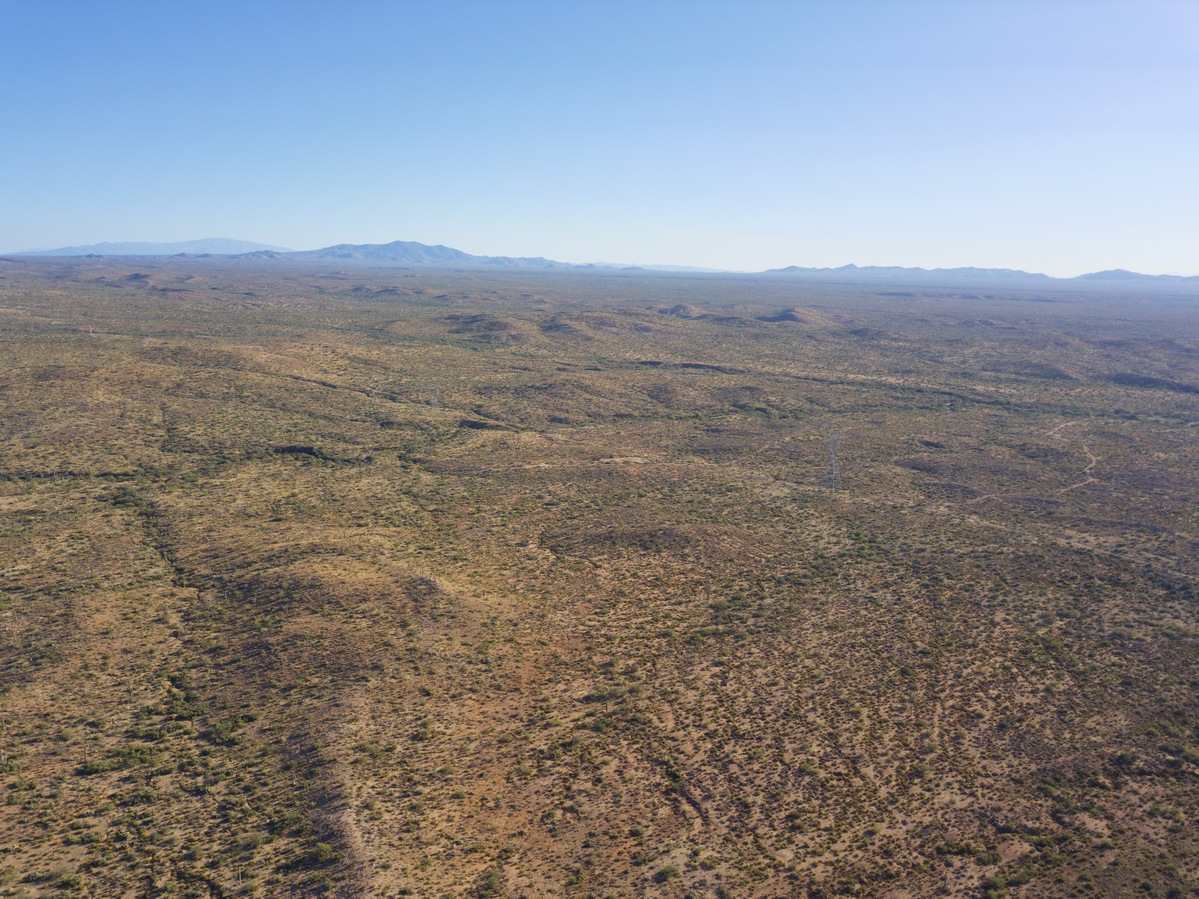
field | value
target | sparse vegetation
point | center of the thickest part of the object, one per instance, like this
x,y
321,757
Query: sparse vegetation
x,y
398,583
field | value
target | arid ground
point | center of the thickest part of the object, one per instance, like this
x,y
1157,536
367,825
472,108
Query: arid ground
x,y
432,583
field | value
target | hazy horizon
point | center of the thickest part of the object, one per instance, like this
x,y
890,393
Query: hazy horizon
x,y
50,252
1054,138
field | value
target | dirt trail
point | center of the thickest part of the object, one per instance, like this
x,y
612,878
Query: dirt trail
x,y
1092,461
1056,434
1056,431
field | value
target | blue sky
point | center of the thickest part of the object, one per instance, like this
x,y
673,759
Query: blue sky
x,y
1049,136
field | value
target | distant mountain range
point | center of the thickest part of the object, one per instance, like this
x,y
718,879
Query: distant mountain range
x,y
410,252
406,252
964,277
214,246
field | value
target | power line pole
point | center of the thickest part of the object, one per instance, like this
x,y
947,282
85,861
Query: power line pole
x,y
832,470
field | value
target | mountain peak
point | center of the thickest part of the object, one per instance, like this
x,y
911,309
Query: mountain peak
x,y
408,251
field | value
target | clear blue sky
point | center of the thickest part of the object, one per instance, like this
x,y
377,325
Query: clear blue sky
x,y
1058,136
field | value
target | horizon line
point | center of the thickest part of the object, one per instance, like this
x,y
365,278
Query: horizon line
x,y
54,252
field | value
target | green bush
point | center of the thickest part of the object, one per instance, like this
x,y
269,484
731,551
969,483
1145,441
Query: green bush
x,y
320,854
670,872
